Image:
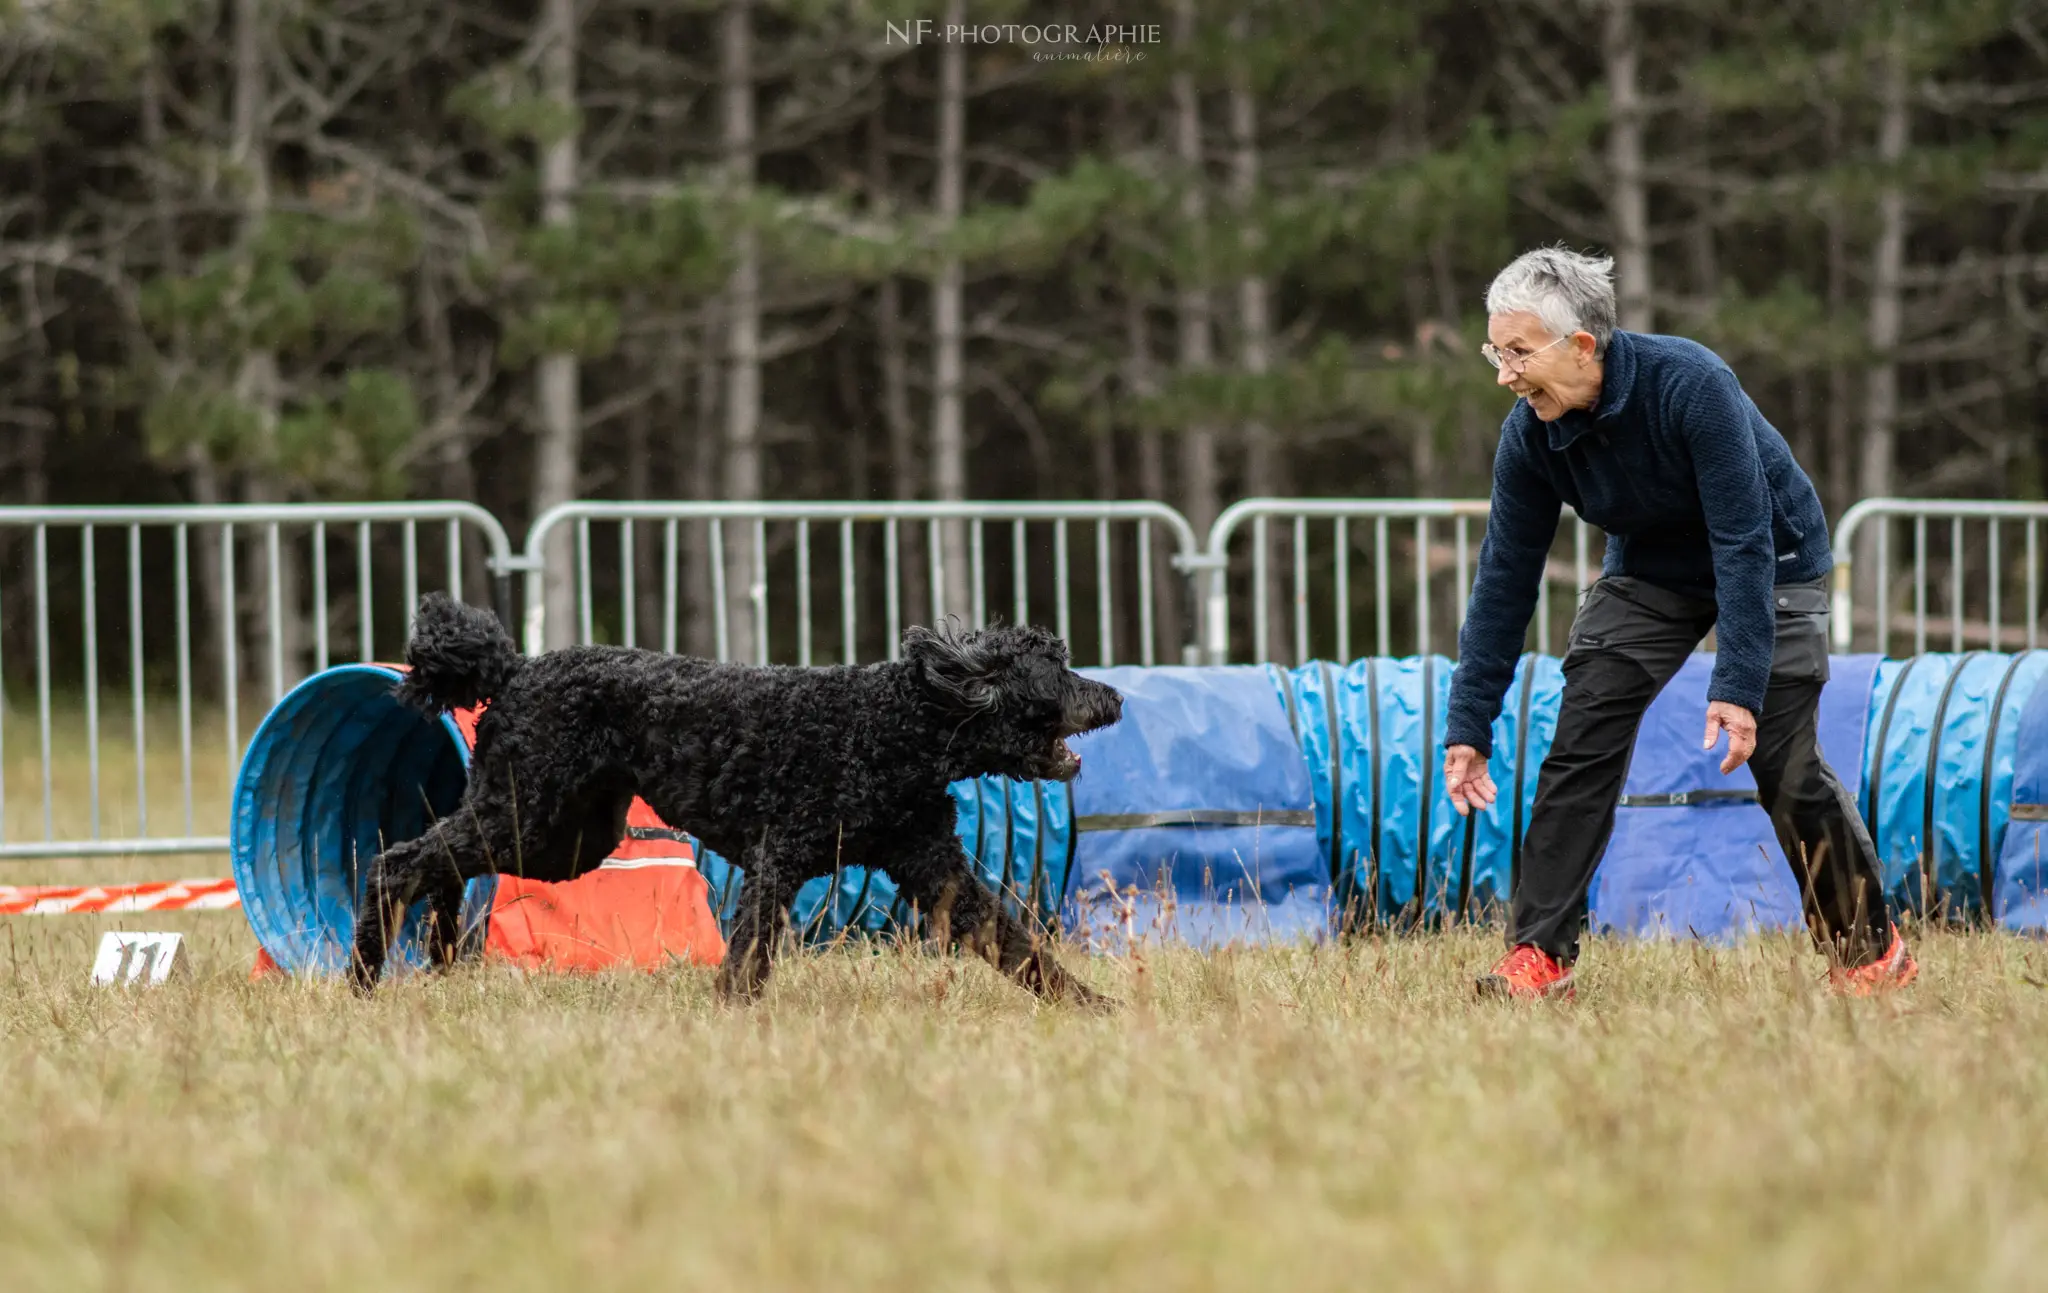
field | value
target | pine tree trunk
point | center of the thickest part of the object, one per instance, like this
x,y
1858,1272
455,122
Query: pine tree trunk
x,y
744,579
17,604
1201,489
559,451
278,659
1141,380
859,420
905,479
646,568
1841,476
698,632
949,432
1881,382
202,559
2040,420
457,473
1264,471
1881,387
1628,199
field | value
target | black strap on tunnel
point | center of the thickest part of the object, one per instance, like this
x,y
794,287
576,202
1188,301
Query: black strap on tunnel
x,y
1073,846
1986,864
1372,714
860,901
980,819
1005,890
1927,832
1465,865
1884,730
1464,855
1335,725
1521,759
1198,817
1036,906
1427,815
1687,798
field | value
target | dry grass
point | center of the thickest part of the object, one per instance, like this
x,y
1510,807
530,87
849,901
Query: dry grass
x,y
1272,1119
1281,1119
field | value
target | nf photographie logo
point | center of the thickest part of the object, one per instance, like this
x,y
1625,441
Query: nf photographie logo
x,y
1048,40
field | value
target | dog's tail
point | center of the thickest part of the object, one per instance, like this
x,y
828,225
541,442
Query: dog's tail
x,y
460,656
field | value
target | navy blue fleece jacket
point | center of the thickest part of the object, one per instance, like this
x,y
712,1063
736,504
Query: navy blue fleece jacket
x,y
1696,491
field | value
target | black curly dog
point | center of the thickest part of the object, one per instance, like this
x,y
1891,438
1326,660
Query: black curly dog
x,y
788,772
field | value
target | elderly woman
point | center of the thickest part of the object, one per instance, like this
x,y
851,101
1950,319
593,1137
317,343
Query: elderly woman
x,y
1711,525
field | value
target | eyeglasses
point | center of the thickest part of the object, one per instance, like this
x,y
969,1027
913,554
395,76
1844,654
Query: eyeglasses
x,y
1515,360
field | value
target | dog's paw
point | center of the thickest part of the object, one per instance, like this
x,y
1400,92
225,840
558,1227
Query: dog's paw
x,y
1082,997
739,990
362,981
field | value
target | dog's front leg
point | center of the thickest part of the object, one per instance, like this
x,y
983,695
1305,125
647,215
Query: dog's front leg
x,y
395,876
961,906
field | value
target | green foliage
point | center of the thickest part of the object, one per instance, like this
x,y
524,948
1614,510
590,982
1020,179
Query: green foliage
x,y
586,328
296,283
1403,152
346,436
351,441
1786,328
507,104
205,416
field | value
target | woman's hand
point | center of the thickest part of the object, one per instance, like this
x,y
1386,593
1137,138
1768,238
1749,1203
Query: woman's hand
x,y
1467,779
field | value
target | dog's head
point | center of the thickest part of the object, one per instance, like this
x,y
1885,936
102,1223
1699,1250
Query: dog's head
x,y
1009,699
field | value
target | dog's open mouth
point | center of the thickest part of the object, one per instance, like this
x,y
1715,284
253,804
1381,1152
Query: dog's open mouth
x,y
1066,764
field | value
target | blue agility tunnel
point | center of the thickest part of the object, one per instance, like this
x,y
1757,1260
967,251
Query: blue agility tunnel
x,y
1192,819
1372,735
1261,804
1937,793
337,768
1933,749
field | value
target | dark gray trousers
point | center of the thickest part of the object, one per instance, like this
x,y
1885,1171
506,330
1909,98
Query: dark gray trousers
x,y
1627,641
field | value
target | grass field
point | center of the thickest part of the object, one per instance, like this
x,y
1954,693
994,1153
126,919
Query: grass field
x,y
1276,1119
1272,1119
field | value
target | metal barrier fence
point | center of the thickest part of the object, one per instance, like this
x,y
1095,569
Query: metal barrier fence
x,y
797,582
1434,543
157,594
156,603
2000,609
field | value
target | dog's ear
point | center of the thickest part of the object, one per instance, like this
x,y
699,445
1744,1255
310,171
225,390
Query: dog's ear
x,y
956,667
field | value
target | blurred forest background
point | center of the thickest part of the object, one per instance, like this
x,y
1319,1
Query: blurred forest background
x,y
265,250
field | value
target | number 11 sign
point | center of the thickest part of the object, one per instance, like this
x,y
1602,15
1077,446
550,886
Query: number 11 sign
x,y
137,958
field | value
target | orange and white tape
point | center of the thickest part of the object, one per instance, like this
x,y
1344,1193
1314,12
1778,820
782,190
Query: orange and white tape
x,y
154,895
220,895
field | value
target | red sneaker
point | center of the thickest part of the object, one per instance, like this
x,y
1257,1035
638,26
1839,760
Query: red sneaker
x,y
1895,969
1527,971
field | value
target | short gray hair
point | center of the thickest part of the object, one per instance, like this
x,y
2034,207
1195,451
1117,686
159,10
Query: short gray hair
x,y
1568,291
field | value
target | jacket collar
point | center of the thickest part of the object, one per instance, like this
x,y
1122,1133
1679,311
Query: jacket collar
x,y
1617,383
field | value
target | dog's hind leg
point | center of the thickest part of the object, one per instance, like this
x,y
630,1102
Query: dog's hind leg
x,y
961,907
762,920
602,826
